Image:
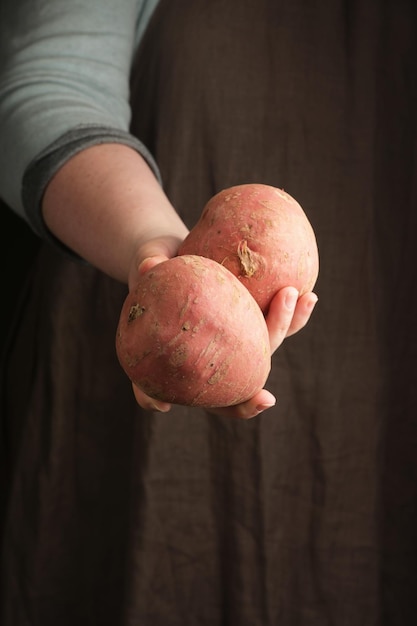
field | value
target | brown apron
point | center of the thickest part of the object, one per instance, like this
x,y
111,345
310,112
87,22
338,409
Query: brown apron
x,y
306,515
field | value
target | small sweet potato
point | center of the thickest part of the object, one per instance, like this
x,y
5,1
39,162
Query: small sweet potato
x,y
190,333
262,235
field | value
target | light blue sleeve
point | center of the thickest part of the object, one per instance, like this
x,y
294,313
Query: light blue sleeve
x,y
64,65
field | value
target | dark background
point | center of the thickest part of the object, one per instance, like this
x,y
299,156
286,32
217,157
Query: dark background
x,y
18,248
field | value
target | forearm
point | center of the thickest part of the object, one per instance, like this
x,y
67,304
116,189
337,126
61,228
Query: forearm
x,y
105,204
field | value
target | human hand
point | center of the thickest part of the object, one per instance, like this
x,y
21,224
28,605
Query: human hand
x,y
287,314
149,254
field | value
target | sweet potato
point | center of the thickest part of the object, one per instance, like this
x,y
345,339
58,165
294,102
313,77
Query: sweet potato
x,y
262,235
190,333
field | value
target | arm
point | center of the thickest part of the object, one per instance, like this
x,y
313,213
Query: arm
x,y
104,201
64,86
106,205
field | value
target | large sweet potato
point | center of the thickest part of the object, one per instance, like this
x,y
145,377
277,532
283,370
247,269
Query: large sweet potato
x,y
190,333
262,235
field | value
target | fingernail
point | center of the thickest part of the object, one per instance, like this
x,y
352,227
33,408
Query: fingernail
x,y
313,302
264,407
161,408
291,299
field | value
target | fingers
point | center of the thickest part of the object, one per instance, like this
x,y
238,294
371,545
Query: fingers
x,y
143,266
288,314
150,262
280,315
158,249
148,403
260,402
302,312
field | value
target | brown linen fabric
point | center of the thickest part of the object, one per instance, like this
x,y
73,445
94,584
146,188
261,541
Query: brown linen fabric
x,y
307,514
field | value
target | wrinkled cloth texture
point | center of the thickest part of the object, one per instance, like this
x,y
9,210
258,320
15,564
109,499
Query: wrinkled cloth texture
x,y
307,514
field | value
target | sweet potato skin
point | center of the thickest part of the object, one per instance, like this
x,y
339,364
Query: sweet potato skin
x,y
191,334
262,235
